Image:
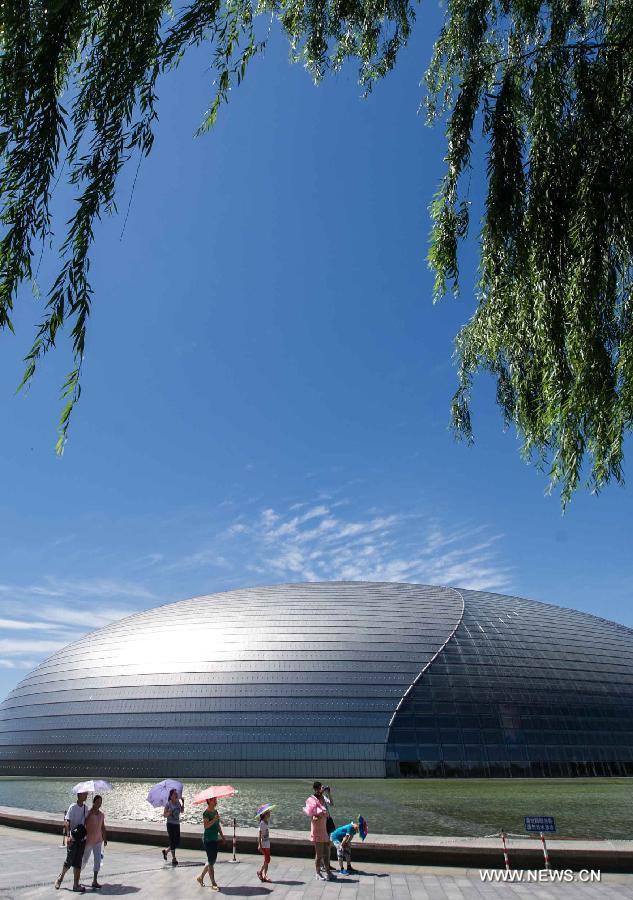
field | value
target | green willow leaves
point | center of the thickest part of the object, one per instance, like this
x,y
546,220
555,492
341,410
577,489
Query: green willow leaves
x,y
554,86
549,83
78,99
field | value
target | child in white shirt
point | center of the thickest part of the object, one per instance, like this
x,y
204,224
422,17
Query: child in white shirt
x,y
263,845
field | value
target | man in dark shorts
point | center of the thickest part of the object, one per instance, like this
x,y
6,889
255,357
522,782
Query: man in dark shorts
x,y
75,821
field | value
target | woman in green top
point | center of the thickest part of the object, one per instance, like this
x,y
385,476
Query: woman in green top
x,y
212,834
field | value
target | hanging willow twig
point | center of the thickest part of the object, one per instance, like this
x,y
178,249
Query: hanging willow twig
x,y
553,85
104,59
554,314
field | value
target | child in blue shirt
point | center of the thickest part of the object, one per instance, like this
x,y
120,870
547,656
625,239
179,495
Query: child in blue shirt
x,y
342,838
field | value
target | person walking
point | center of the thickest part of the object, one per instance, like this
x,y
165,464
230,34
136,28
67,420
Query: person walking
x,y
317,809
96,838
75,842
213,834
174,806
326,793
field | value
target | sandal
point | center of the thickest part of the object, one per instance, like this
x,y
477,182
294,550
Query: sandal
x,y
214,887
58,884
80,889
200,880
164,852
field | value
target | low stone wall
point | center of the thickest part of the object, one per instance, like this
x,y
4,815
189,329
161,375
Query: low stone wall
x,y
608,856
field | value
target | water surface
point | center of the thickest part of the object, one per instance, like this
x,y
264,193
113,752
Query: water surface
x,y
583,808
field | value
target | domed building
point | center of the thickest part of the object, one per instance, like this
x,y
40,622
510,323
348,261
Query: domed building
x,y
345,679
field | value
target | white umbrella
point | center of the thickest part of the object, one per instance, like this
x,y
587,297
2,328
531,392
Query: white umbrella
x,y
90,787
159,793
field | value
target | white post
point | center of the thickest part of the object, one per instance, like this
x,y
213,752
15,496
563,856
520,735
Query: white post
x,y
506,858
547,865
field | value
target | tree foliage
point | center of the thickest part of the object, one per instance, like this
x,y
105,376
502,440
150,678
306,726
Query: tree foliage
x,y
551,85
554,84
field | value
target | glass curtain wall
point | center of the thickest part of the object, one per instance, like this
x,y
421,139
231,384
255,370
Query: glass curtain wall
x,y
522,689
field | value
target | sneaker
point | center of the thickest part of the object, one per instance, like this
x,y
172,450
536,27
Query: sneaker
x,y
345,872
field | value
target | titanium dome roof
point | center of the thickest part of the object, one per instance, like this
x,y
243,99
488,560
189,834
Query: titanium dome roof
x,y
346,679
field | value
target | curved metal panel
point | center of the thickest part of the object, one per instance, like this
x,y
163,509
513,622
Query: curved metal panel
x,y
287,680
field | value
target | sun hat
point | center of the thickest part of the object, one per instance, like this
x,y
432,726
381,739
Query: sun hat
x,y
264,808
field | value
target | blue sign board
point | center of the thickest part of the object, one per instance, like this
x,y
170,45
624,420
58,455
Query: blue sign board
x,y
540,823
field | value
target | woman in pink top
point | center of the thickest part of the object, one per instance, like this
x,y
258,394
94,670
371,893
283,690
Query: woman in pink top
x,y
95,838
317,808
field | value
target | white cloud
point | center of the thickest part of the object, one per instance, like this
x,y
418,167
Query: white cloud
x,y
15,647
78,589
17,664
38,619
307,542
237,528
25,625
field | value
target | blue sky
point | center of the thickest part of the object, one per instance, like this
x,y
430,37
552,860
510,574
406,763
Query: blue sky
x,y
267,383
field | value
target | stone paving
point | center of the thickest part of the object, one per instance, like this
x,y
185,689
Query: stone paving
x,y
30,862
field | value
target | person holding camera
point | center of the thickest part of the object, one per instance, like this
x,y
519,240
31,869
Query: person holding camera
x,y
75,823
318,808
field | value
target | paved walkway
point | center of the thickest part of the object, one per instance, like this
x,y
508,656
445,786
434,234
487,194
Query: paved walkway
x,y
30,862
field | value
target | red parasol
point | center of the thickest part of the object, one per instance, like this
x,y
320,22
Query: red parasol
x,y
216,790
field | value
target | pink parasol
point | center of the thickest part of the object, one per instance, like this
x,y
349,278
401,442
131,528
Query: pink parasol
x,y
216,790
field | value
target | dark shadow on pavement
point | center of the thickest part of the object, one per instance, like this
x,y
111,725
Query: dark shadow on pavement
x,y
353,879
185,865
114,889
245,891
280,881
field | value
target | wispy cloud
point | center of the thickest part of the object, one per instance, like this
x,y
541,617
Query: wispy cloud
x,y
17,664
19,647
77,589
39,618
313,542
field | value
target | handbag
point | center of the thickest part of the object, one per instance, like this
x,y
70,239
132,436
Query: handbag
x,y
79,833
330,825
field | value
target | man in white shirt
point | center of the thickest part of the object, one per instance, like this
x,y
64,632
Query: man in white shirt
x,y
75,845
